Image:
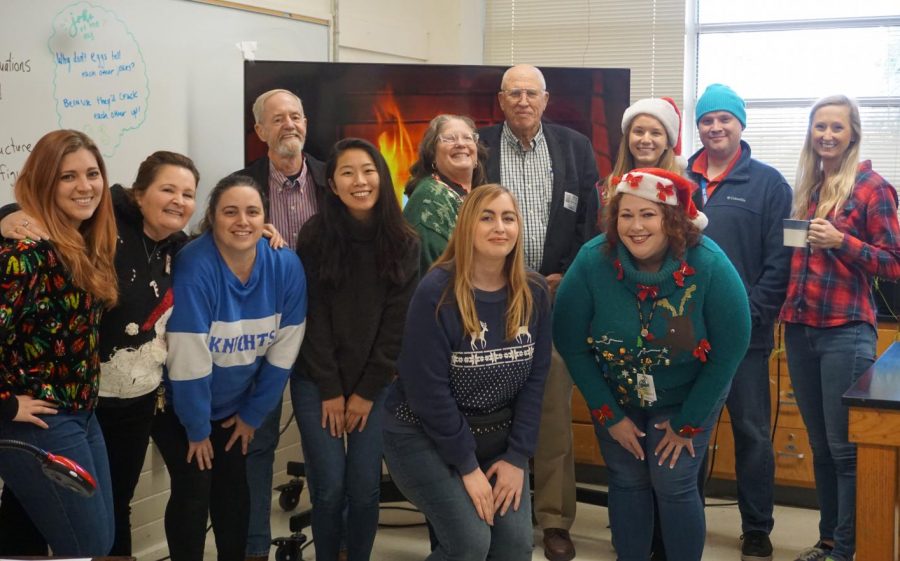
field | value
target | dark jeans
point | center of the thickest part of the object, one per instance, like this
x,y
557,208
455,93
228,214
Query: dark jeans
x,y
220,493
74,525
754,461
126,429
824,363
18,534
438,491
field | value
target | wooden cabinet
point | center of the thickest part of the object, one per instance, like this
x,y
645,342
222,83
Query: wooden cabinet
x,y
793,456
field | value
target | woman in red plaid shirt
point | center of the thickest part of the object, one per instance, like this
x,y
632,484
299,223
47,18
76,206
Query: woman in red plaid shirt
x,y
829,312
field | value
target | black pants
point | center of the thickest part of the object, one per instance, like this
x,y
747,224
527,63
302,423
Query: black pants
x,y
220,493
126,429
18,534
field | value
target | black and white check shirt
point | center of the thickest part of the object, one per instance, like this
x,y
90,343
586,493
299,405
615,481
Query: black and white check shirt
x,y
528,173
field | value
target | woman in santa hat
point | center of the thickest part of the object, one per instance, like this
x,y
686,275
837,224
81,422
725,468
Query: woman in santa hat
x,y
652,320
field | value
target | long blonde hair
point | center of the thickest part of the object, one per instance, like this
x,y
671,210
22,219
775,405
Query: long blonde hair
x,y
88,252
458,258
625,163
835,189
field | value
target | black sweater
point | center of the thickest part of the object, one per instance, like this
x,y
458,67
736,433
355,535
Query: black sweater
x,y
353,329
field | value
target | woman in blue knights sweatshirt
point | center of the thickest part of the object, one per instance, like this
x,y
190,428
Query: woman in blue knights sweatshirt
x,y
236,327
465,411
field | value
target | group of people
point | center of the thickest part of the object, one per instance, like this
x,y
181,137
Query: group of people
x,y
445,338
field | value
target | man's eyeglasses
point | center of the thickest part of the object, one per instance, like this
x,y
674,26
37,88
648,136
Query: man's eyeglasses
x,y
517,94
458,139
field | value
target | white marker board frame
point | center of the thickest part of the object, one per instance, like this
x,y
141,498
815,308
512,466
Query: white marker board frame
x,y
193,100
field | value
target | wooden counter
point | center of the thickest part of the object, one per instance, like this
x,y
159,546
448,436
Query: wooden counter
x,y
874,402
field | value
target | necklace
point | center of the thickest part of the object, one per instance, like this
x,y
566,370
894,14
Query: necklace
x,y
645,327
148,253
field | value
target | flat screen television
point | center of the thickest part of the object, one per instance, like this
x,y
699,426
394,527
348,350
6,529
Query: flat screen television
x,y
391,104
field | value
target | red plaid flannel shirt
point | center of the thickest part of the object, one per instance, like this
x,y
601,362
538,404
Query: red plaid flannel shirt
x,y
833,287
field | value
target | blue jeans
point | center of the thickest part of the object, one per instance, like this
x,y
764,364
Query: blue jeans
x,y
632,484
824,363
751,415
341,478
438,491
260,462
74,526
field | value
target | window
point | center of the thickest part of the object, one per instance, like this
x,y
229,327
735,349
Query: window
x,y
645,36
780,61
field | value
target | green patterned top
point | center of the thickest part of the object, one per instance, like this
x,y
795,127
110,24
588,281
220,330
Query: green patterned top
x,y
432,210
48,328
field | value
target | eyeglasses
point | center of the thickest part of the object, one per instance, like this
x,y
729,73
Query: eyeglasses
x,y
517,94
459,139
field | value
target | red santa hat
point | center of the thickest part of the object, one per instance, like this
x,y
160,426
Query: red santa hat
x,y
664,110
663,187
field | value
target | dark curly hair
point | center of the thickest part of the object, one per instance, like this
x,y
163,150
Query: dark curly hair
x,y
681,232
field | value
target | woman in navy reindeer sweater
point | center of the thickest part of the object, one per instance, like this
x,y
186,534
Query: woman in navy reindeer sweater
x,y
466,407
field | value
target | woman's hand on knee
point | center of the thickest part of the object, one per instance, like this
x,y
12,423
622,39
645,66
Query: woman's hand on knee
x,y
507,486
479,489
626,433
202,451
357,412
671,445
242,431
333,412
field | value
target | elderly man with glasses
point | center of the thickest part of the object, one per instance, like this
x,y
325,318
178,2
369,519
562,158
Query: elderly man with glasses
x,y
552,172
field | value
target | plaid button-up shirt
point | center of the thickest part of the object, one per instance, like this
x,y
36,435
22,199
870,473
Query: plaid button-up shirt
x,y
833,287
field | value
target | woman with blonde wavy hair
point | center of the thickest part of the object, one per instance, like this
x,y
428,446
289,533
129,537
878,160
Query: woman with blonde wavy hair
x,y
464,412
829,311
53,296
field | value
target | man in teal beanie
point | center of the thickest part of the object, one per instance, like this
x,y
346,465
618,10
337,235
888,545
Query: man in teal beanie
x,y
745,201
719,97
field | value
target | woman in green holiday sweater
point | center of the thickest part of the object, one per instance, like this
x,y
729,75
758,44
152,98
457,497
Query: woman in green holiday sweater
x,y
451,163
652,321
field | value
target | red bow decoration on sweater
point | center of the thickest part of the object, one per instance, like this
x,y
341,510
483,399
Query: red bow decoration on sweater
x,y
663,191
644,291
602,414
620,273
702,350
688,431
684,270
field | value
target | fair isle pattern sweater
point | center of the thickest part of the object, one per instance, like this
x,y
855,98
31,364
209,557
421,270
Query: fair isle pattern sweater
x,y
232,344
698,334
446,374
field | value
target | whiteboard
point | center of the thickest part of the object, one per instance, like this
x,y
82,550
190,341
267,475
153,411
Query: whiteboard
x,y
137,76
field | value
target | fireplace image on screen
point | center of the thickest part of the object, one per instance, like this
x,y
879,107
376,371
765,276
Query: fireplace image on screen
x,y
391,104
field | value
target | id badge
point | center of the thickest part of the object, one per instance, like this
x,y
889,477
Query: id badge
x,y
645,388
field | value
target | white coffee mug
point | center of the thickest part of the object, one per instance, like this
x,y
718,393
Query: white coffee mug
x,y
796,232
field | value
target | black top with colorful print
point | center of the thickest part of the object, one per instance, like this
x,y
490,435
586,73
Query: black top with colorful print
x,y
48,329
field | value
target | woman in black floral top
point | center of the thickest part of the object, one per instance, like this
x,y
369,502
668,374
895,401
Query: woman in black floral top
x,y
52,296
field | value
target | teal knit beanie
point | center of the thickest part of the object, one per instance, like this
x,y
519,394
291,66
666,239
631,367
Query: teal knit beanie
x,y
719,97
